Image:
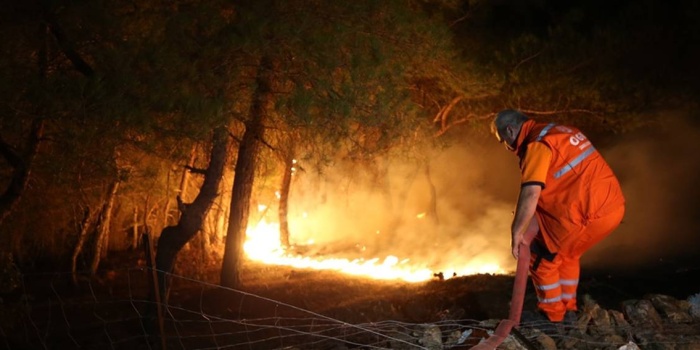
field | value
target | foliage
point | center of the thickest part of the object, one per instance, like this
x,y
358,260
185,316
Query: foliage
x,y
127,89
593,63
135,110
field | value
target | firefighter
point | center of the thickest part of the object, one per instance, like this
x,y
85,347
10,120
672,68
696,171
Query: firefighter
x,y
568,193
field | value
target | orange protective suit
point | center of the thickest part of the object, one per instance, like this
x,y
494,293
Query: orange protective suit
x,y
580,204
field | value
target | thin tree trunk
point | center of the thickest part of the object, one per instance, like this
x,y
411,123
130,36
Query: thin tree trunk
x,y
432,210
173,238
244,176
86,224
103,230
107,222
166,209
21,164
135,233
185,179
284,199
221,216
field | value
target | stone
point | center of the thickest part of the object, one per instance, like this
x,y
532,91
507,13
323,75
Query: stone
x,y
620,324
602,322
629,346
431,337
654,341
457,337
694,302
641,313
671,308
510,343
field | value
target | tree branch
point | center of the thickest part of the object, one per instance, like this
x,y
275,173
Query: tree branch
x,y
560,111
196,170
73,56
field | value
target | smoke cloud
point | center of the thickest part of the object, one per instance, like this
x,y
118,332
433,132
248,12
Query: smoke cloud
x,y
658,169
349,210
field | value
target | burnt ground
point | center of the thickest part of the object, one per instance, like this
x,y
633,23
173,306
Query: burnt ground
x,y
106,311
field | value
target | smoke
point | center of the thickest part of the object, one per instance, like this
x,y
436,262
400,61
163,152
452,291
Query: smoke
x,y
357,211
658,169
390,212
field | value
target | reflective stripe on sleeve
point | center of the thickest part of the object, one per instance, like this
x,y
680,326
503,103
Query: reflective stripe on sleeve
x,y
574,163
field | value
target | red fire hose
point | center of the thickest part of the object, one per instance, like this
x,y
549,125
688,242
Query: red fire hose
x,y
516,301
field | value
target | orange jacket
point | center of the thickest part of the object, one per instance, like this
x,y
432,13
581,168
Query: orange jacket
x,y
580,185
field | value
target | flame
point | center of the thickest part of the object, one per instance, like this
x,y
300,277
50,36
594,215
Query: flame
x,y
263,245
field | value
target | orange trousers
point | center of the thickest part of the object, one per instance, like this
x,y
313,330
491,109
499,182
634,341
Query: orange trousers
x,y
556,281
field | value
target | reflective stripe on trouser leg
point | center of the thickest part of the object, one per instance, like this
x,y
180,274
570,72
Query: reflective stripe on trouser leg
x,y
548,288
568,293
569,271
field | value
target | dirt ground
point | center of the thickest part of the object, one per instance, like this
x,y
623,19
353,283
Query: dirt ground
x,y
70,316
478,297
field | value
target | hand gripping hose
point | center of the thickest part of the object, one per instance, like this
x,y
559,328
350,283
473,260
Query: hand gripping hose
x,y
516,301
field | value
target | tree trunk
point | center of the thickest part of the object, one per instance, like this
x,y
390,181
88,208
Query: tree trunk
x,y
284,199
185,179
135,229
101,241
21,164
173,238
432,210
107,220
244,176
166,206
86,224
221,216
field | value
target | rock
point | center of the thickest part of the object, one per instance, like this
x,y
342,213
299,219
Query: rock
x,y
593,313
622,327
569,343
582,322
641,313
613,339
511,343
457,337
671,308
401,340
629,346
657,322
654,341
546,342
431,337
602,322
490,323
694,301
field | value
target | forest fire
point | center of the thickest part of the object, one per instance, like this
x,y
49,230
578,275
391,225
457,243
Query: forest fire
x,y
263,245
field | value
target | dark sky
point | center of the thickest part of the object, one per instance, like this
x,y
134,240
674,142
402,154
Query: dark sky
x,y
658,39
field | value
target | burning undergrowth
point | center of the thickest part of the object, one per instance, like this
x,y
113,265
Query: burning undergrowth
x,y
409,223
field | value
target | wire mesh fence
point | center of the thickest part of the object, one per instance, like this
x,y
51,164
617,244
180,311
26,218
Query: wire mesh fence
x,y
48,312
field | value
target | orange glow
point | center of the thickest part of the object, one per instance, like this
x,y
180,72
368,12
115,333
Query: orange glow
x,y
263,245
